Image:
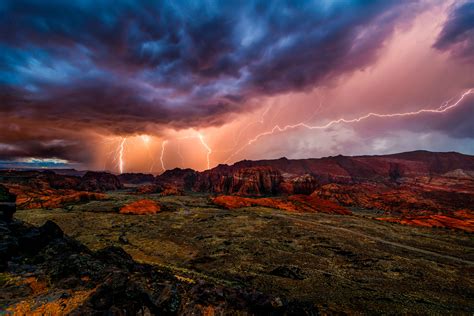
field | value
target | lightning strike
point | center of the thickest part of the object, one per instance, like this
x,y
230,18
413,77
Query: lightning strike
x,y
209,150
204,144
246,127
443,108
145,138
163,145
121,159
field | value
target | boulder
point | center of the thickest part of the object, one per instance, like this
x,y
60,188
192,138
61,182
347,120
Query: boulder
x,y
7,204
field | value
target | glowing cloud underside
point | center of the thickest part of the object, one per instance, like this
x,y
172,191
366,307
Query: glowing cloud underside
x,y
445,107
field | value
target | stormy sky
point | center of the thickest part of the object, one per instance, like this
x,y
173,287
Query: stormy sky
x,y
159,84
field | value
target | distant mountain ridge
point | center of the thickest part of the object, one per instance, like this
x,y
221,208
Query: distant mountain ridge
x,y
414,162
418,180
368,166
281,176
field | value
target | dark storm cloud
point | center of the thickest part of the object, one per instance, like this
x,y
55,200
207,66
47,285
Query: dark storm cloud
x,y
28,138
124,65
457,35
459,123
43,150
455,123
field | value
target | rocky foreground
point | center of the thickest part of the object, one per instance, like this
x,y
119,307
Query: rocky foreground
x,y
327,262
45,272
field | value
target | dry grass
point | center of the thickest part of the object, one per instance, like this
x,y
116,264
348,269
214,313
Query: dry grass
x,y
341,268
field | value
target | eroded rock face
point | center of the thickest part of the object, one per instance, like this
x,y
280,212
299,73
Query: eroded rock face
x,y
304,184
386,168
99,182
56,181
47,189
171,182
255,181
303,176
141,207
136,178
62,198
396,199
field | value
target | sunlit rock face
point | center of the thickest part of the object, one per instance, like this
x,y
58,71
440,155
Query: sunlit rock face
x,y
460,220
294,203
141,207
234,202
47,189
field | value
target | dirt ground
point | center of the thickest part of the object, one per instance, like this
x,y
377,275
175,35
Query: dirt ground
x,y
345,263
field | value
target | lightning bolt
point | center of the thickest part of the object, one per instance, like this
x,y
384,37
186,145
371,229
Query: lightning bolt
x,y
262,120
146,141
163,145
121,160
204,144
446,106
209,150
246,127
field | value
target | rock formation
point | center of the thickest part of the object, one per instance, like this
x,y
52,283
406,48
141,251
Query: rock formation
x,y
47,189
294,203
253,181
136,178
181,179
99,182
312,203
233,202
461,220
141,207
